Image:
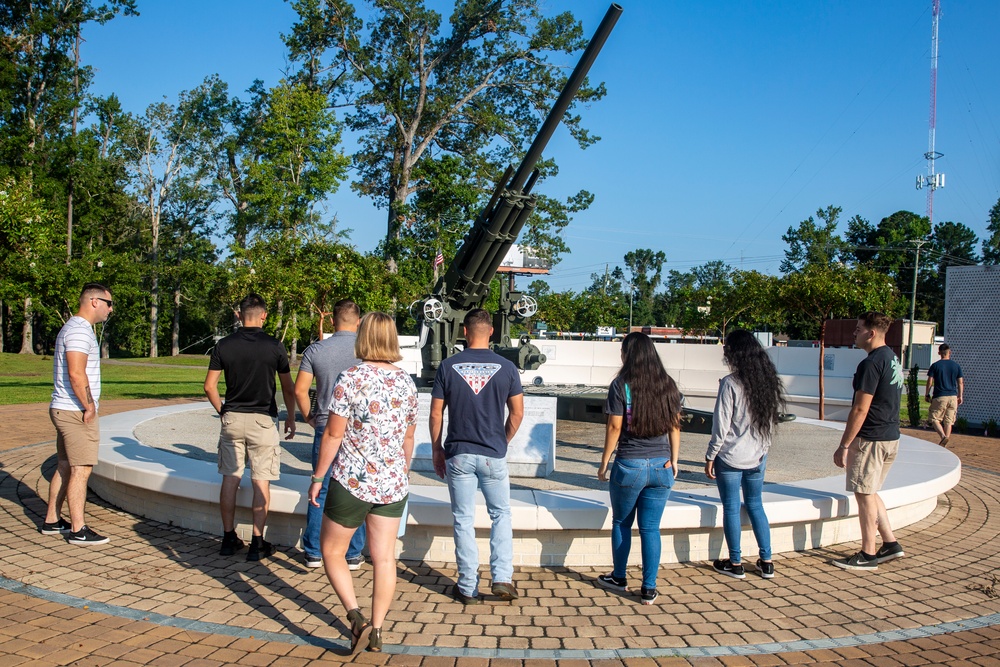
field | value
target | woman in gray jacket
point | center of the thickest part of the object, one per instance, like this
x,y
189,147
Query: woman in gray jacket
x,y
746,410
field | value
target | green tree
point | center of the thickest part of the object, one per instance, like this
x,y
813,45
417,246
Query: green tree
x,y
886,247
812,242
991,245
745,299
950,244
818,293
300,162
435,220
299,165
164,144
26,234
41,83
188,258
645,267
475,87
672,304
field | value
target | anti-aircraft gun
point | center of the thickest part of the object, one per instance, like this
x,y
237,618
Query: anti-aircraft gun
x,y
466,283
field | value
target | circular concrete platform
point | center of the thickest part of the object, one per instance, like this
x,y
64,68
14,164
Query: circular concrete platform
x,y
158,463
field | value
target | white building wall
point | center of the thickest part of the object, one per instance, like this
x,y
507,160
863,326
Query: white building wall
x,y
697,370
972,329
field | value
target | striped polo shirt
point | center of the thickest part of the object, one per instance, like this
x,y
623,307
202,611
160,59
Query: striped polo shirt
x,y
77,335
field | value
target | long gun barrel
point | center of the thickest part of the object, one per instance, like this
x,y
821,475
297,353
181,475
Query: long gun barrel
x,y
465,285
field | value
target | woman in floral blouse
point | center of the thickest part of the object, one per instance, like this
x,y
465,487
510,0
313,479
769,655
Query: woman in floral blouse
x,y
369,440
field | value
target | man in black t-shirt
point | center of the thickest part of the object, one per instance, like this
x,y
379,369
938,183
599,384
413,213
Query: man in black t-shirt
x,y
475,385
249,358
871,439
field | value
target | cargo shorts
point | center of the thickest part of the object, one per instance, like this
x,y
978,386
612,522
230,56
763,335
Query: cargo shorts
x,y
249,439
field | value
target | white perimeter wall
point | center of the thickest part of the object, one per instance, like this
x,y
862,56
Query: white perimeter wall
x,y
972,329
696,368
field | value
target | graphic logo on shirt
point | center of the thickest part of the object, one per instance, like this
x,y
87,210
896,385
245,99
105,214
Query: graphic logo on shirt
x,y
897,373
476,375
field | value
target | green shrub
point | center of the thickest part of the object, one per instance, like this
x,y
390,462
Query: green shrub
x,y
913,398
991,428
961,425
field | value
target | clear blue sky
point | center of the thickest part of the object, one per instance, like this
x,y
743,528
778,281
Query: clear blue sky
x,y
724,123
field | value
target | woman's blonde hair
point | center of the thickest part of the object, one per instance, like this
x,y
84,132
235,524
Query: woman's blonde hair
x,y
377,340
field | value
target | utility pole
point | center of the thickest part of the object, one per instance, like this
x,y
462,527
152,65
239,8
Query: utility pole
x,y
631,290
913,301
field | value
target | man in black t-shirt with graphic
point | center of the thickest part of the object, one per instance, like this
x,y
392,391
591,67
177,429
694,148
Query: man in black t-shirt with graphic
x,y
475,385
871,439
249,358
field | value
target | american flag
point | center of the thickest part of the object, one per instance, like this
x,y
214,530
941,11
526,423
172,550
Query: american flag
x,y
438,259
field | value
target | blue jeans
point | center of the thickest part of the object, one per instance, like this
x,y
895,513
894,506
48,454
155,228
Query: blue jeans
x,y
730,480
314,515
466,473
638,486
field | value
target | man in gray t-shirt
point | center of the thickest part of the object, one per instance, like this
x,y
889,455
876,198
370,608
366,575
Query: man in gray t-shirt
x,y
326,360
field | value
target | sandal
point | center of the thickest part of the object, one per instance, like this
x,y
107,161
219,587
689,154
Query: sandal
x,y
360,629
375,641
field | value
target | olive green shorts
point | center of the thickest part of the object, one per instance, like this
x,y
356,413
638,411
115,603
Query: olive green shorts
x,y
348,511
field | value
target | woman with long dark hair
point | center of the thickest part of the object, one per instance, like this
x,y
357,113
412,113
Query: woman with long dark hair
x,y
644,418
746,411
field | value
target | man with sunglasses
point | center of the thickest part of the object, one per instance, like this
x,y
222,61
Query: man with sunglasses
x,y
76,374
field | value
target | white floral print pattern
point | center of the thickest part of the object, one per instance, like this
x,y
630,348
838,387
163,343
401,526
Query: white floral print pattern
x,y
379,405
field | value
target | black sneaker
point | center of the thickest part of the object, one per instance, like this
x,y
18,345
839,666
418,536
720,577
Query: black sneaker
x,y
466,599
57,528
313,561
356,562
231,543
259,549
765,570
857,562
648,595
87,537
614,583
889,552
727,568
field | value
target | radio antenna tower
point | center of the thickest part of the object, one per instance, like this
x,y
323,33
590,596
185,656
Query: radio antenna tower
x,y
932,180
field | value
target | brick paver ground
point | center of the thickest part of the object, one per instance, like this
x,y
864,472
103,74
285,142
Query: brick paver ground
x,y
161,595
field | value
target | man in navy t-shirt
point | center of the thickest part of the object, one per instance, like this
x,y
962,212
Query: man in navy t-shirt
x,y
475,385
945,377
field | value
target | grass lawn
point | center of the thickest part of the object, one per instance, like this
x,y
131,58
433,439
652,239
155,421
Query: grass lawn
x,y
28,379
199,360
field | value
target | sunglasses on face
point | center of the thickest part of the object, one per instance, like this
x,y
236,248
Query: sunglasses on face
x,y
111,304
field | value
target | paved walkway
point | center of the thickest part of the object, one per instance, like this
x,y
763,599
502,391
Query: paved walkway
x,y
161,595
